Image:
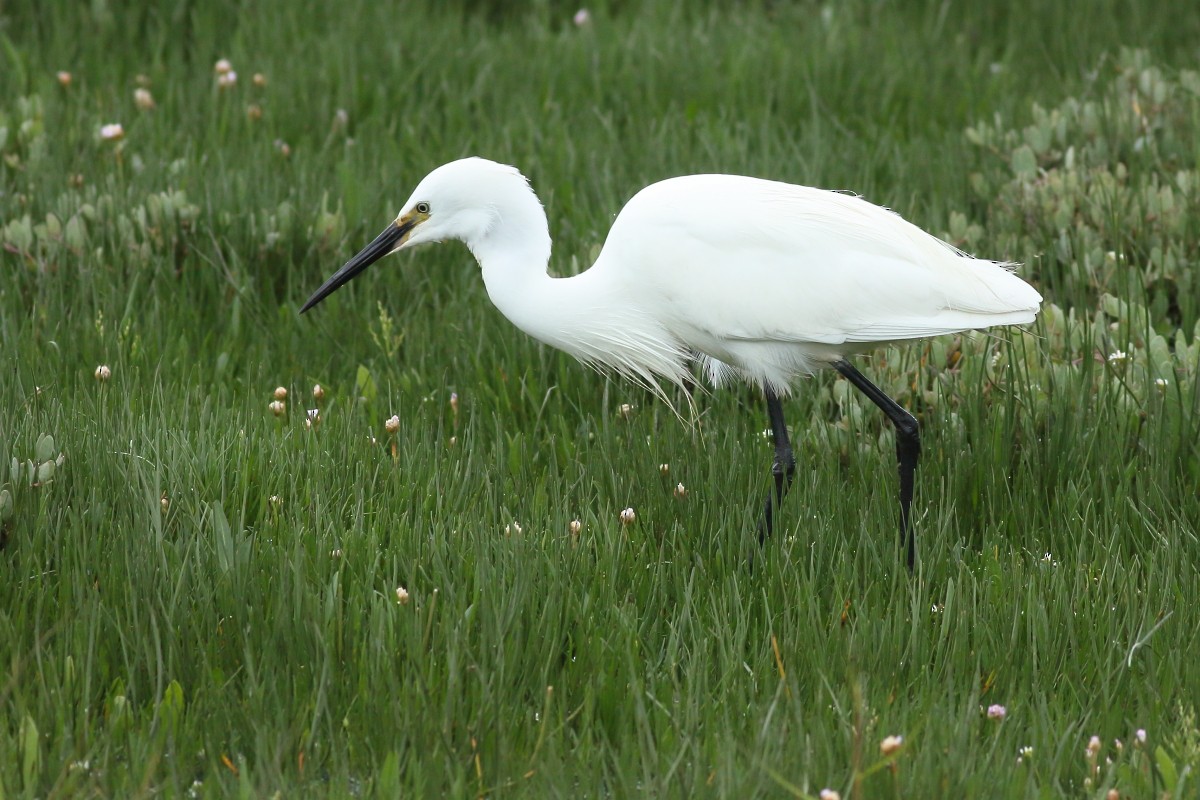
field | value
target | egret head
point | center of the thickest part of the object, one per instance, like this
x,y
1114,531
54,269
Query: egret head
x,y
464,200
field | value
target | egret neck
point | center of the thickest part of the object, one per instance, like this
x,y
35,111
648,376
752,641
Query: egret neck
x,y
513,251
589,315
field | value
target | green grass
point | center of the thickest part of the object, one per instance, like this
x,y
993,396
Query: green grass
x,y
201,597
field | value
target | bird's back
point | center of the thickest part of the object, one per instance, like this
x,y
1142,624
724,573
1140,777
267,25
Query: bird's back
x,y
774,278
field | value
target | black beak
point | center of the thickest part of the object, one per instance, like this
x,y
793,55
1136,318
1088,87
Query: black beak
x,y
384,243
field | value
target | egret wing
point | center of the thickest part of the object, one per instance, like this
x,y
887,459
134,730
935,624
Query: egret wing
x,y
727,258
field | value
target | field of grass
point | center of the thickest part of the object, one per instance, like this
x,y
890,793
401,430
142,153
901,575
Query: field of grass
x,y
199,597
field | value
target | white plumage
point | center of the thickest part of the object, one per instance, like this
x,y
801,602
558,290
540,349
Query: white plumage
x,y
777,280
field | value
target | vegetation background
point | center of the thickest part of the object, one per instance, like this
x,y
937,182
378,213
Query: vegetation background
x,y
200,597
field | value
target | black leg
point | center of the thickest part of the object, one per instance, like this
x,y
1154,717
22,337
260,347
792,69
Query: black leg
x,y
784,468
908,449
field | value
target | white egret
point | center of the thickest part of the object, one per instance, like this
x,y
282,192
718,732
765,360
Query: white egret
x,y
755,279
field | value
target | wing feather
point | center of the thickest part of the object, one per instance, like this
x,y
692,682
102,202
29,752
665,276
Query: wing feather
x,y
725,259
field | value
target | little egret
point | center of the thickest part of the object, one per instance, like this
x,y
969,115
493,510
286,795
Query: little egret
x,y
752,278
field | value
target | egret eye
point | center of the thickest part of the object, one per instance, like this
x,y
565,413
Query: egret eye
x,y
422,208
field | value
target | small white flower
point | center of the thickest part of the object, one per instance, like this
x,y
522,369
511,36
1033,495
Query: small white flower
x,y
509,530
664,469
1026,751
64,78
318,393
164,503
1161,384
223,67
103,373
401,595
891,744
628,517
280,393
1140,736
1093,747
626,410
392,425
335,553
1118,356
112,132
276,500
259,80
575,527
454,402
582,17
227,80
277,408
829,794
680,491
143,99
996,711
